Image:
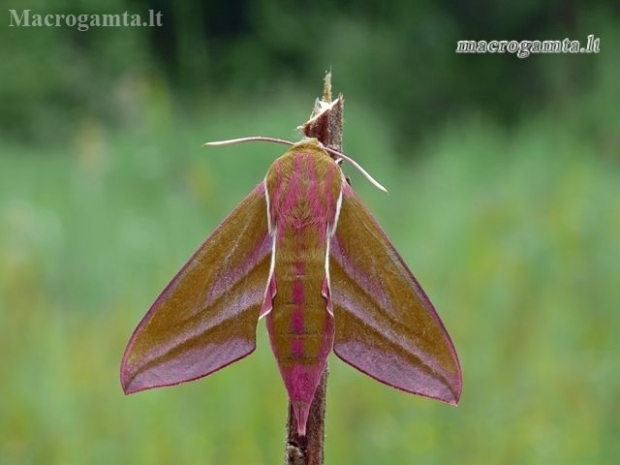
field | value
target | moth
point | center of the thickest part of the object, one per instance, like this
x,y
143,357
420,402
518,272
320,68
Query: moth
x,y
303,252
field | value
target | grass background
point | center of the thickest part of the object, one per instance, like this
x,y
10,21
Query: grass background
x,y
514,234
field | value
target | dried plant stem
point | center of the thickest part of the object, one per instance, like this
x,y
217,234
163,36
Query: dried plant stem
x,y
308,450
325,124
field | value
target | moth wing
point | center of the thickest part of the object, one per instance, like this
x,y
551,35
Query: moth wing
x,y
385,325
206,317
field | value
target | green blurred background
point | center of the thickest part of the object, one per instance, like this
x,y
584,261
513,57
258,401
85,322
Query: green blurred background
x,y
504,179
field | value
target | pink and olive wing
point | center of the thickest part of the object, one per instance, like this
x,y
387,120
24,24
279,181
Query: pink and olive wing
x,y
206,317
386,327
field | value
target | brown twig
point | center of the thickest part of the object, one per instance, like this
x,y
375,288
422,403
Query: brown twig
x,y
308,449
325,124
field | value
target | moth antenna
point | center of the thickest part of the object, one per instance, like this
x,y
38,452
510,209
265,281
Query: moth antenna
x,y
342,156
219,143
366,174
